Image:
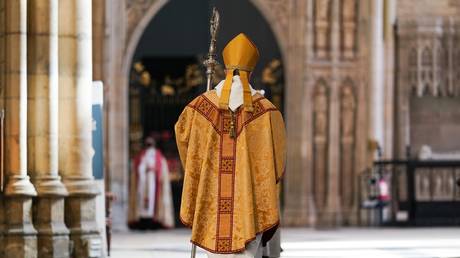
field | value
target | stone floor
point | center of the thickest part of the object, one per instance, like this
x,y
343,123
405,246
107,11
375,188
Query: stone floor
x,y
306,243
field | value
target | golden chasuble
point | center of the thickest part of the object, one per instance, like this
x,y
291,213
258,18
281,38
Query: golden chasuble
x,y
233,162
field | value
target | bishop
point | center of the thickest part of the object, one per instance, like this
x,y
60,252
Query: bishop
x,y
231,142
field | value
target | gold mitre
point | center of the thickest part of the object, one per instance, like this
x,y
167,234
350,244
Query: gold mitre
x,y
240,54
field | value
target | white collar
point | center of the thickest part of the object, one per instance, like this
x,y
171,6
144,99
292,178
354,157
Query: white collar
x,y
236,92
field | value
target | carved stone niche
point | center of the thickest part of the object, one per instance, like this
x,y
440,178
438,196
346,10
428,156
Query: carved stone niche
x,y
349,18
427,68
322,28
348,177
426,85
432,63
320,144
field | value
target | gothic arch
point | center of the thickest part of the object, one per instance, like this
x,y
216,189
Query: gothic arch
x,y
427,59
276,20
136,17
348,83
135,31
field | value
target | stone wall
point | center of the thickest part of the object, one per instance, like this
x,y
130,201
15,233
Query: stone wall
x,y
421,8
433,116
323,44
340,65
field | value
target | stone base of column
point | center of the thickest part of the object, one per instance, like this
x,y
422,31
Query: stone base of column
x,y
350,217
80,216
20,237
328,220
300,213
53,235
53,245
296,218
364,217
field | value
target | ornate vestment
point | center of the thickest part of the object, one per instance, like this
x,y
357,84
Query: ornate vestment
x,y
233,162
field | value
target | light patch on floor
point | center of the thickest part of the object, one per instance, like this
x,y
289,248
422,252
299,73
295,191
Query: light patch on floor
x,y
308,243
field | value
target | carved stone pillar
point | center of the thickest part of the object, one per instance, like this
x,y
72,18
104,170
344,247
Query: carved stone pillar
x,y
297,202
322,27
21,239
345,61
348,178
116,133
389,44
53,236
320,147
75,125
349,19
331,215
377,56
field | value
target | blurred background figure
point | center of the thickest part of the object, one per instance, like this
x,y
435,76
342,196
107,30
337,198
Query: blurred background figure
x,y
151,204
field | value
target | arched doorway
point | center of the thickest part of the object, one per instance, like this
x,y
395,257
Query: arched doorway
x,y
163,50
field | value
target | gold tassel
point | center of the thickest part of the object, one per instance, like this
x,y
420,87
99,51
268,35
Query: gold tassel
x,y
232,126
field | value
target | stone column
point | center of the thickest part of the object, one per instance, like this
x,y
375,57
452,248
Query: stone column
x,y
389,45
295,182
53,236
75,125
99,34
332,212
322,24
307,115
21,239
377,72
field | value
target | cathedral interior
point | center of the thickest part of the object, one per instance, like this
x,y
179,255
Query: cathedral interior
x,y
369,90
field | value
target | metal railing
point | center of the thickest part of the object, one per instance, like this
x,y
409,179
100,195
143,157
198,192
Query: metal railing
x,y
422,193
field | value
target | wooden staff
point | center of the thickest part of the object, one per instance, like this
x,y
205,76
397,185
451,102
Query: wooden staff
x,y
210,64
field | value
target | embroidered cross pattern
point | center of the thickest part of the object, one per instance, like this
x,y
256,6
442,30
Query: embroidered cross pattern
x,y
222,120
225,205
227,165
204,107
227,123
257,108
223,245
